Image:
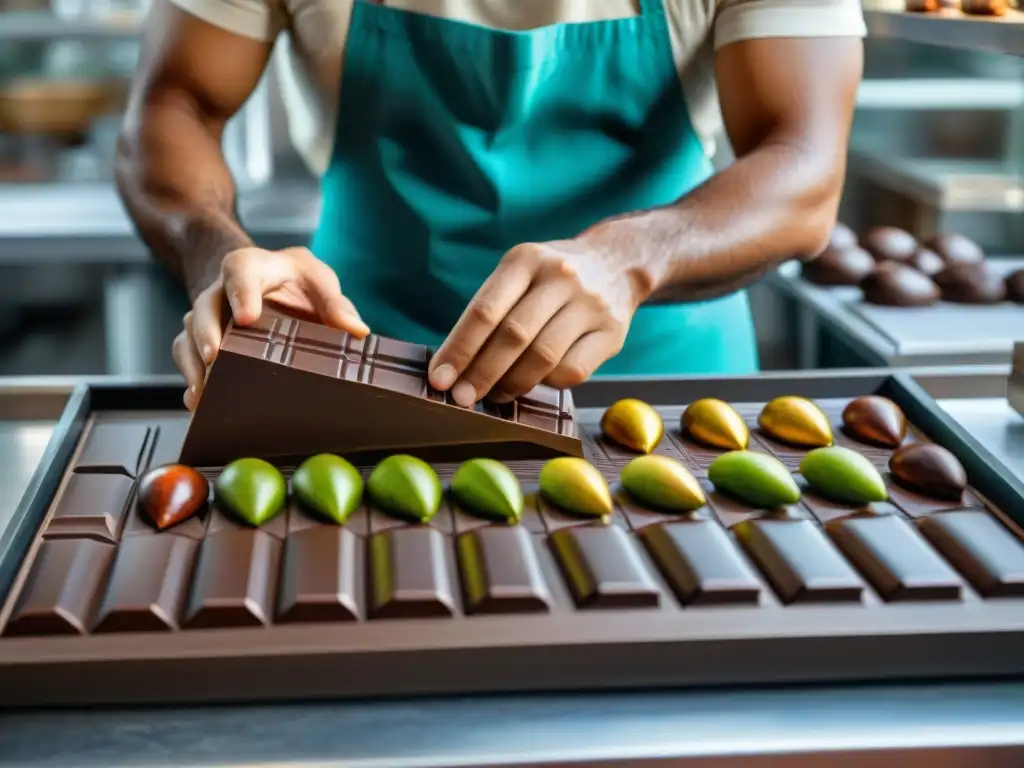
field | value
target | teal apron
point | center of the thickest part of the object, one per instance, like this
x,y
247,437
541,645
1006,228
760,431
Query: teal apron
x,y
457,142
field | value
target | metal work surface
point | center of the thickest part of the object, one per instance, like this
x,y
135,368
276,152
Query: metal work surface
x,y
948,726
896,337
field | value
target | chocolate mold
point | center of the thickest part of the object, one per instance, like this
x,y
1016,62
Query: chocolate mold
x,y
215,609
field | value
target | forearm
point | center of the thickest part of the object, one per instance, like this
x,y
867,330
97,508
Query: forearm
x,y
777,202
176,186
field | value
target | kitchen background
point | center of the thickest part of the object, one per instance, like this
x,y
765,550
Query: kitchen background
x,y
938,145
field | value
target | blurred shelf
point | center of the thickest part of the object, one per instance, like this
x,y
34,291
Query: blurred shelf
x,y
941,94
946,185
43,26
951,29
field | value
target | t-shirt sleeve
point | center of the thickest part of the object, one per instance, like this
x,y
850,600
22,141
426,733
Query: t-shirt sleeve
x,y
255,19
737,20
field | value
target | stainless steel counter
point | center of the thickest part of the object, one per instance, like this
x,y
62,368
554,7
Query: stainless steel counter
x,y
942,726
86,223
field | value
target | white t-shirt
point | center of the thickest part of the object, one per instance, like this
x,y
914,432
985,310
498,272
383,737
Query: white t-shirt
x,y
314,33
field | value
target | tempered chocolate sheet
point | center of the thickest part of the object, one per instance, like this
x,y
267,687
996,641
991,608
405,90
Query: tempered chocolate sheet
x,y
215,610
285,388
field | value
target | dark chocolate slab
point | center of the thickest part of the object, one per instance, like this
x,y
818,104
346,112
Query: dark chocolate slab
x,y
234,580
701,564
116,448
802,565
62,590
500,571
221,522
410,574
148,584
381,402
321,576
981,548
895,559
92,506
603,568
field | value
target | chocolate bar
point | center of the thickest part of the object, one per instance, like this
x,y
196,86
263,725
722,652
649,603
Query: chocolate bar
x,y
212,609
285,389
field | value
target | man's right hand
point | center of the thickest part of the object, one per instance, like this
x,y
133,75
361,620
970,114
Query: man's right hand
x,y
294,279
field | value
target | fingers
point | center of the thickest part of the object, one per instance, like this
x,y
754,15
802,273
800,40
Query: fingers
x,y
248,274
207,322
492,303
189,362
584,357
517,334
321,285
544,355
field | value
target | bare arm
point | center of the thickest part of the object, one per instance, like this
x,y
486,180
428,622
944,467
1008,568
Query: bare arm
x,y
191,79
788,106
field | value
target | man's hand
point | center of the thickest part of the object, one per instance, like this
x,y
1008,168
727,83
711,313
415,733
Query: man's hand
x,y
293,279
550,312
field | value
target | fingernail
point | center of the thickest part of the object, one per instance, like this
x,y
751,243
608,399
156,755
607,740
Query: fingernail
x,y
464,394
443,377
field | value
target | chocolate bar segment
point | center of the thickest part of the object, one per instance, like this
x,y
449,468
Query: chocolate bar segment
x,y
501,572
321,576
62,589
234,580
895,559
114,448
292,389
978,546
148,584
801,564
169,436
603,569
701,563
410,574
91,506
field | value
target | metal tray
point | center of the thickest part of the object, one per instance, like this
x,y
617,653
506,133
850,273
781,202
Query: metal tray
x,y
607,649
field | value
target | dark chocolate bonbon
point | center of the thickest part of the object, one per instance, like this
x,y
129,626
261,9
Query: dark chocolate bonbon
x,y
847,266
171,494
889,244
929,469
898,285
971,283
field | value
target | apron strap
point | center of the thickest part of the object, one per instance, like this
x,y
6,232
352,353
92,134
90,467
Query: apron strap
x,y
651,7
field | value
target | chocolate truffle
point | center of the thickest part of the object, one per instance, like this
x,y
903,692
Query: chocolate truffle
x,y
984,7
927,261
1015,286
897,285
839,267
890,244
956,249
971,284
842,237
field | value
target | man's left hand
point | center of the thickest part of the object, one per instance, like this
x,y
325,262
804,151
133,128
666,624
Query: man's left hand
x,y
550,313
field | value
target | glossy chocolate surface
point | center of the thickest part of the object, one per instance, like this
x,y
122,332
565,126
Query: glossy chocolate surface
x,y
889,244
984,7
971,283
464,604
898,285
954,248
284,389
842,237
839,266
927,261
